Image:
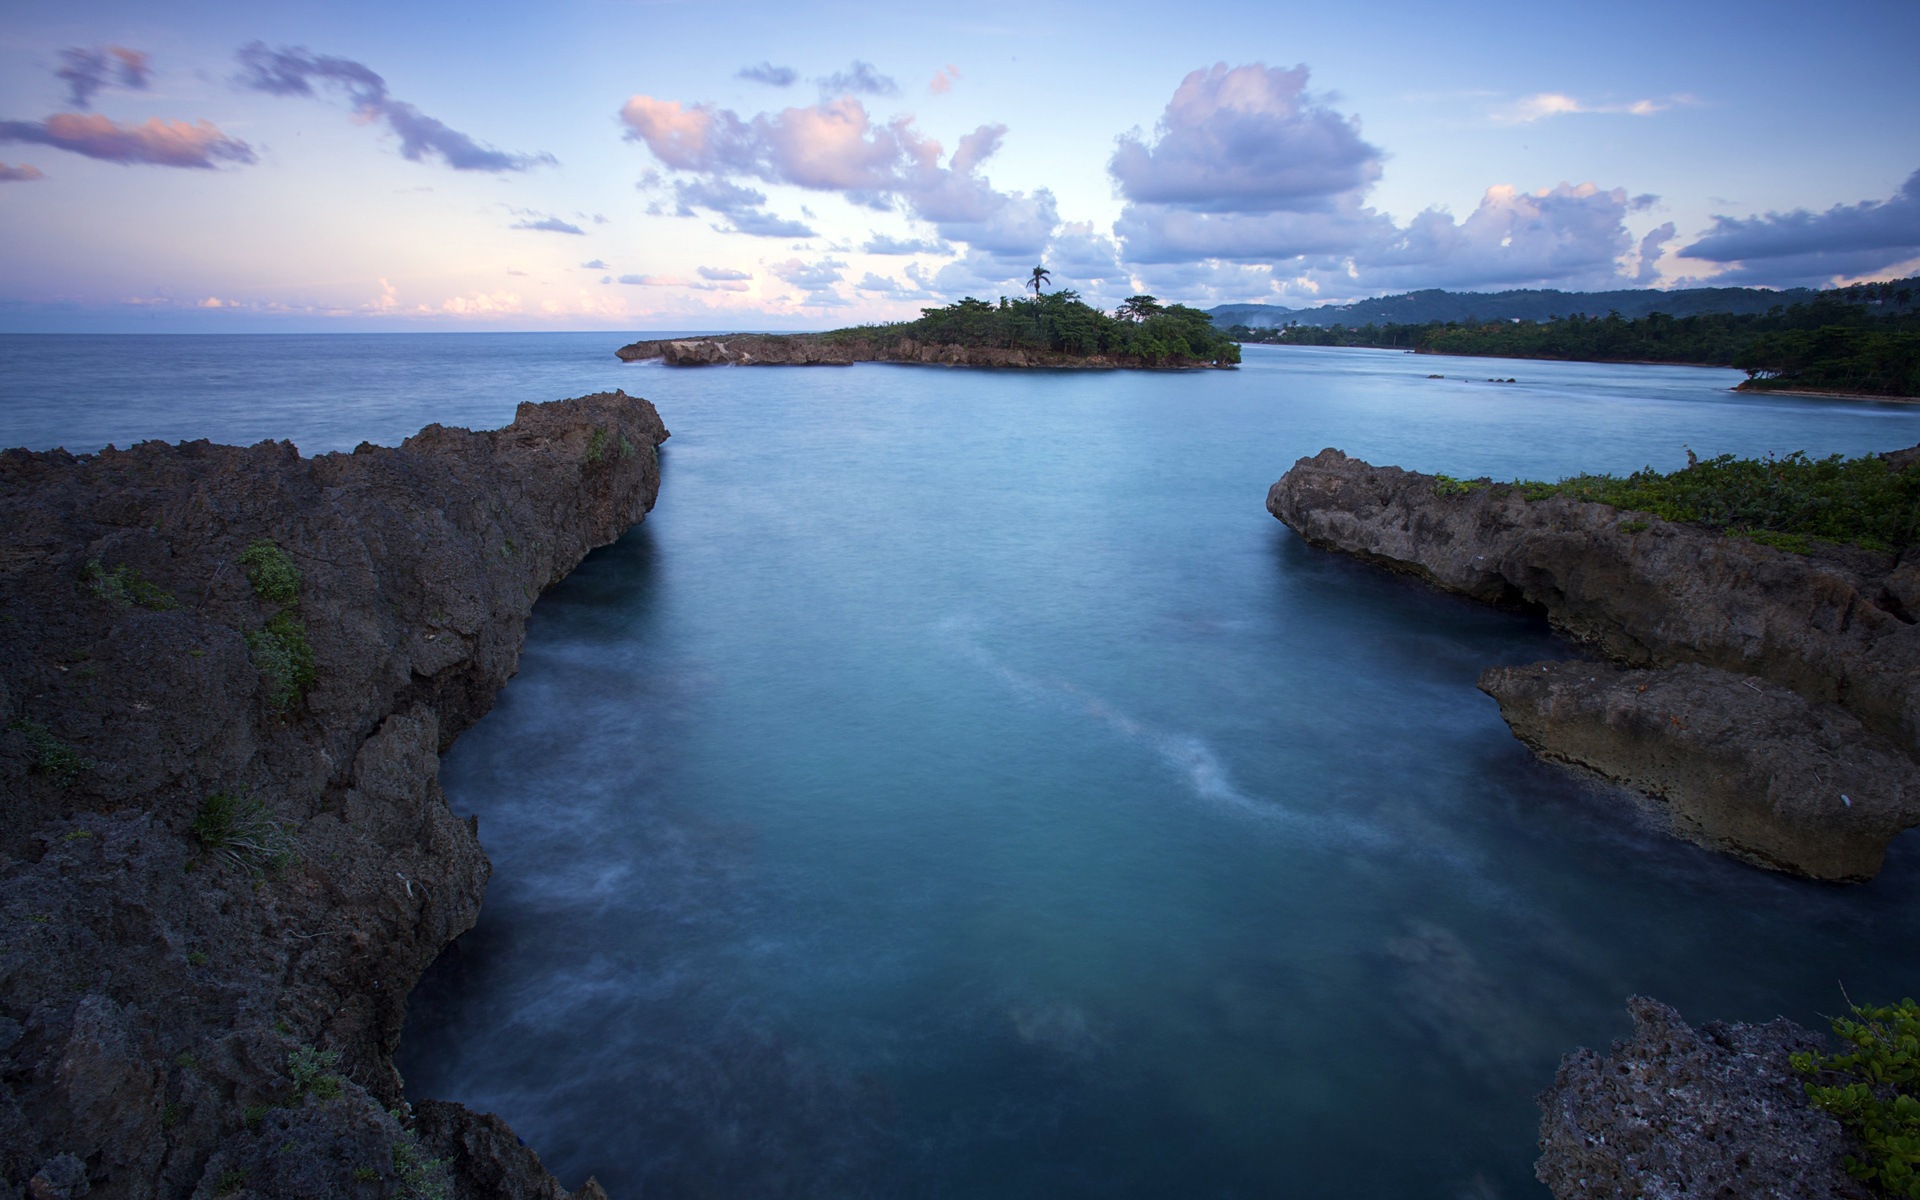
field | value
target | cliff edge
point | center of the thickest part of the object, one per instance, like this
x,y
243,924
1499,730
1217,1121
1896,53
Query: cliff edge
x,y
1771,699
226,677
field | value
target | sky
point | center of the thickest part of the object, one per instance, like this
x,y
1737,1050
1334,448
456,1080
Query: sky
x,y
706,165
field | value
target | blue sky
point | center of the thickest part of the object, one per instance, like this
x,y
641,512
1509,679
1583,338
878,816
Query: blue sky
x,y
712,165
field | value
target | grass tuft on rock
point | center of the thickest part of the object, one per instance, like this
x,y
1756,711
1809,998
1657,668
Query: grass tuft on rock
x,y
1779,502
238,829
1879,1096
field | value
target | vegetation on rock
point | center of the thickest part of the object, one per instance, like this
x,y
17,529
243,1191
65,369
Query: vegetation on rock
x,y
280,648
239,829
1061,323
1878,1097
51,756
125,587
1782,502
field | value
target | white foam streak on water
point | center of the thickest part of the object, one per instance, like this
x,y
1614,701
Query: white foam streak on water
x,y
1186,755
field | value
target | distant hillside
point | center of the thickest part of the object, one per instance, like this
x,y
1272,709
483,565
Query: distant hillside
x,y
1531,304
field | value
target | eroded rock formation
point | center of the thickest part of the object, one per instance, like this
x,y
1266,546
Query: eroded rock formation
x,y
1684,1114
211,1010
1796,749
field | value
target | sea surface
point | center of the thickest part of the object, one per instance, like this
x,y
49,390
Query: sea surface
x,y
961,787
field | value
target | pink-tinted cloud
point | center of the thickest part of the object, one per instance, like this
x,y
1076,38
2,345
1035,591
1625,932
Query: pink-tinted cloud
x,y
944,79
24,173
836,146
156,142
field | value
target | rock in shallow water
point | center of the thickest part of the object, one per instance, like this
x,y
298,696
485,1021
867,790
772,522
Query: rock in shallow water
x,y
1744,766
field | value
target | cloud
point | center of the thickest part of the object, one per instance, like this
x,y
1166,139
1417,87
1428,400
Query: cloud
x,y
835,146
594,265
743,208
809,276
547,225
1249,139
23,173
766,72
1651,247
1248,170
157,143
860,78
944,79
292,71
1553,104
1845,240
674,281
892,289
723,274
87,71
880,243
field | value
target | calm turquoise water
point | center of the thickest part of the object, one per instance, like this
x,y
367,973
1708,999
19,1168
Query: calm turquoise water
x,y
961,786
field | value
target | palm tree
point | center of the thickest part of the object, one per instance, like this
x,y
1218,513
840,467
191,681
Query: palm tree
x,y
1040,275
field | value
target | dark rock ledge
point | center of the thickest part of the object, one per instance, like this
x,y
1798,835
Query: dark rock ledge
x,y
1770,699
167,1012
1675,1113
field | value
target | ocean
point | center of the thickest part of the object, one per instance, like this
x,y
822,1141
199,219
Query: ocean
x,y
960,786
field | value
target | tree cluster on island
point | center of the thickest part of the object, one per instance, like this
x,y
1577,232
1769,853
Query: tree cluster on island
x,y
1141,329
1864,338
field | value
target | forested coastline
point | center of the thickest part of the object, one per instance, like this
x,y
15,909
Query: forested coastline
x,y
1863,339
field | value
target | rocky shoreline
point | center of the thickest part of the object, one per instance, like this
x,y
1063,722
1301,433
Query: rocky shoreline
x,y
807,349
227,676
1771,700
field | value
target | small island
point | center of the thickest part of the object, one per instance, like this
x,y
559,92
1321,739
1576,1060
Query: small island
x,y
1051,330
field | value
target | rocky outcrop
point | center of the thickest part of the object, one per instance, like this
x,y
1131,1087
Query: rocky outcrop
x,y
1684,1114
1835,629
224,855
806,349
1744,766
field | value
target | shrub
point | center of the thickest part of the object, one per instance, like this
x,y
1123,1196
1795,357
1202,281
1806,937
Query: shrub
x,y
597,446
312,1073
239,829
421,1177
125,587
1447,485
51,756
1877,1099
281,651
271,572
1779,502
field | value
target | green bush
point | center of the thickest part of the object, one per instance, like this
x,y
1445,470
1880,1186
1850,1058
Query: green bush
x,y
125,587
597,446
51,756
1779,502
281,651
422,1177
238,829
312,1073
1878,1099
271,572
